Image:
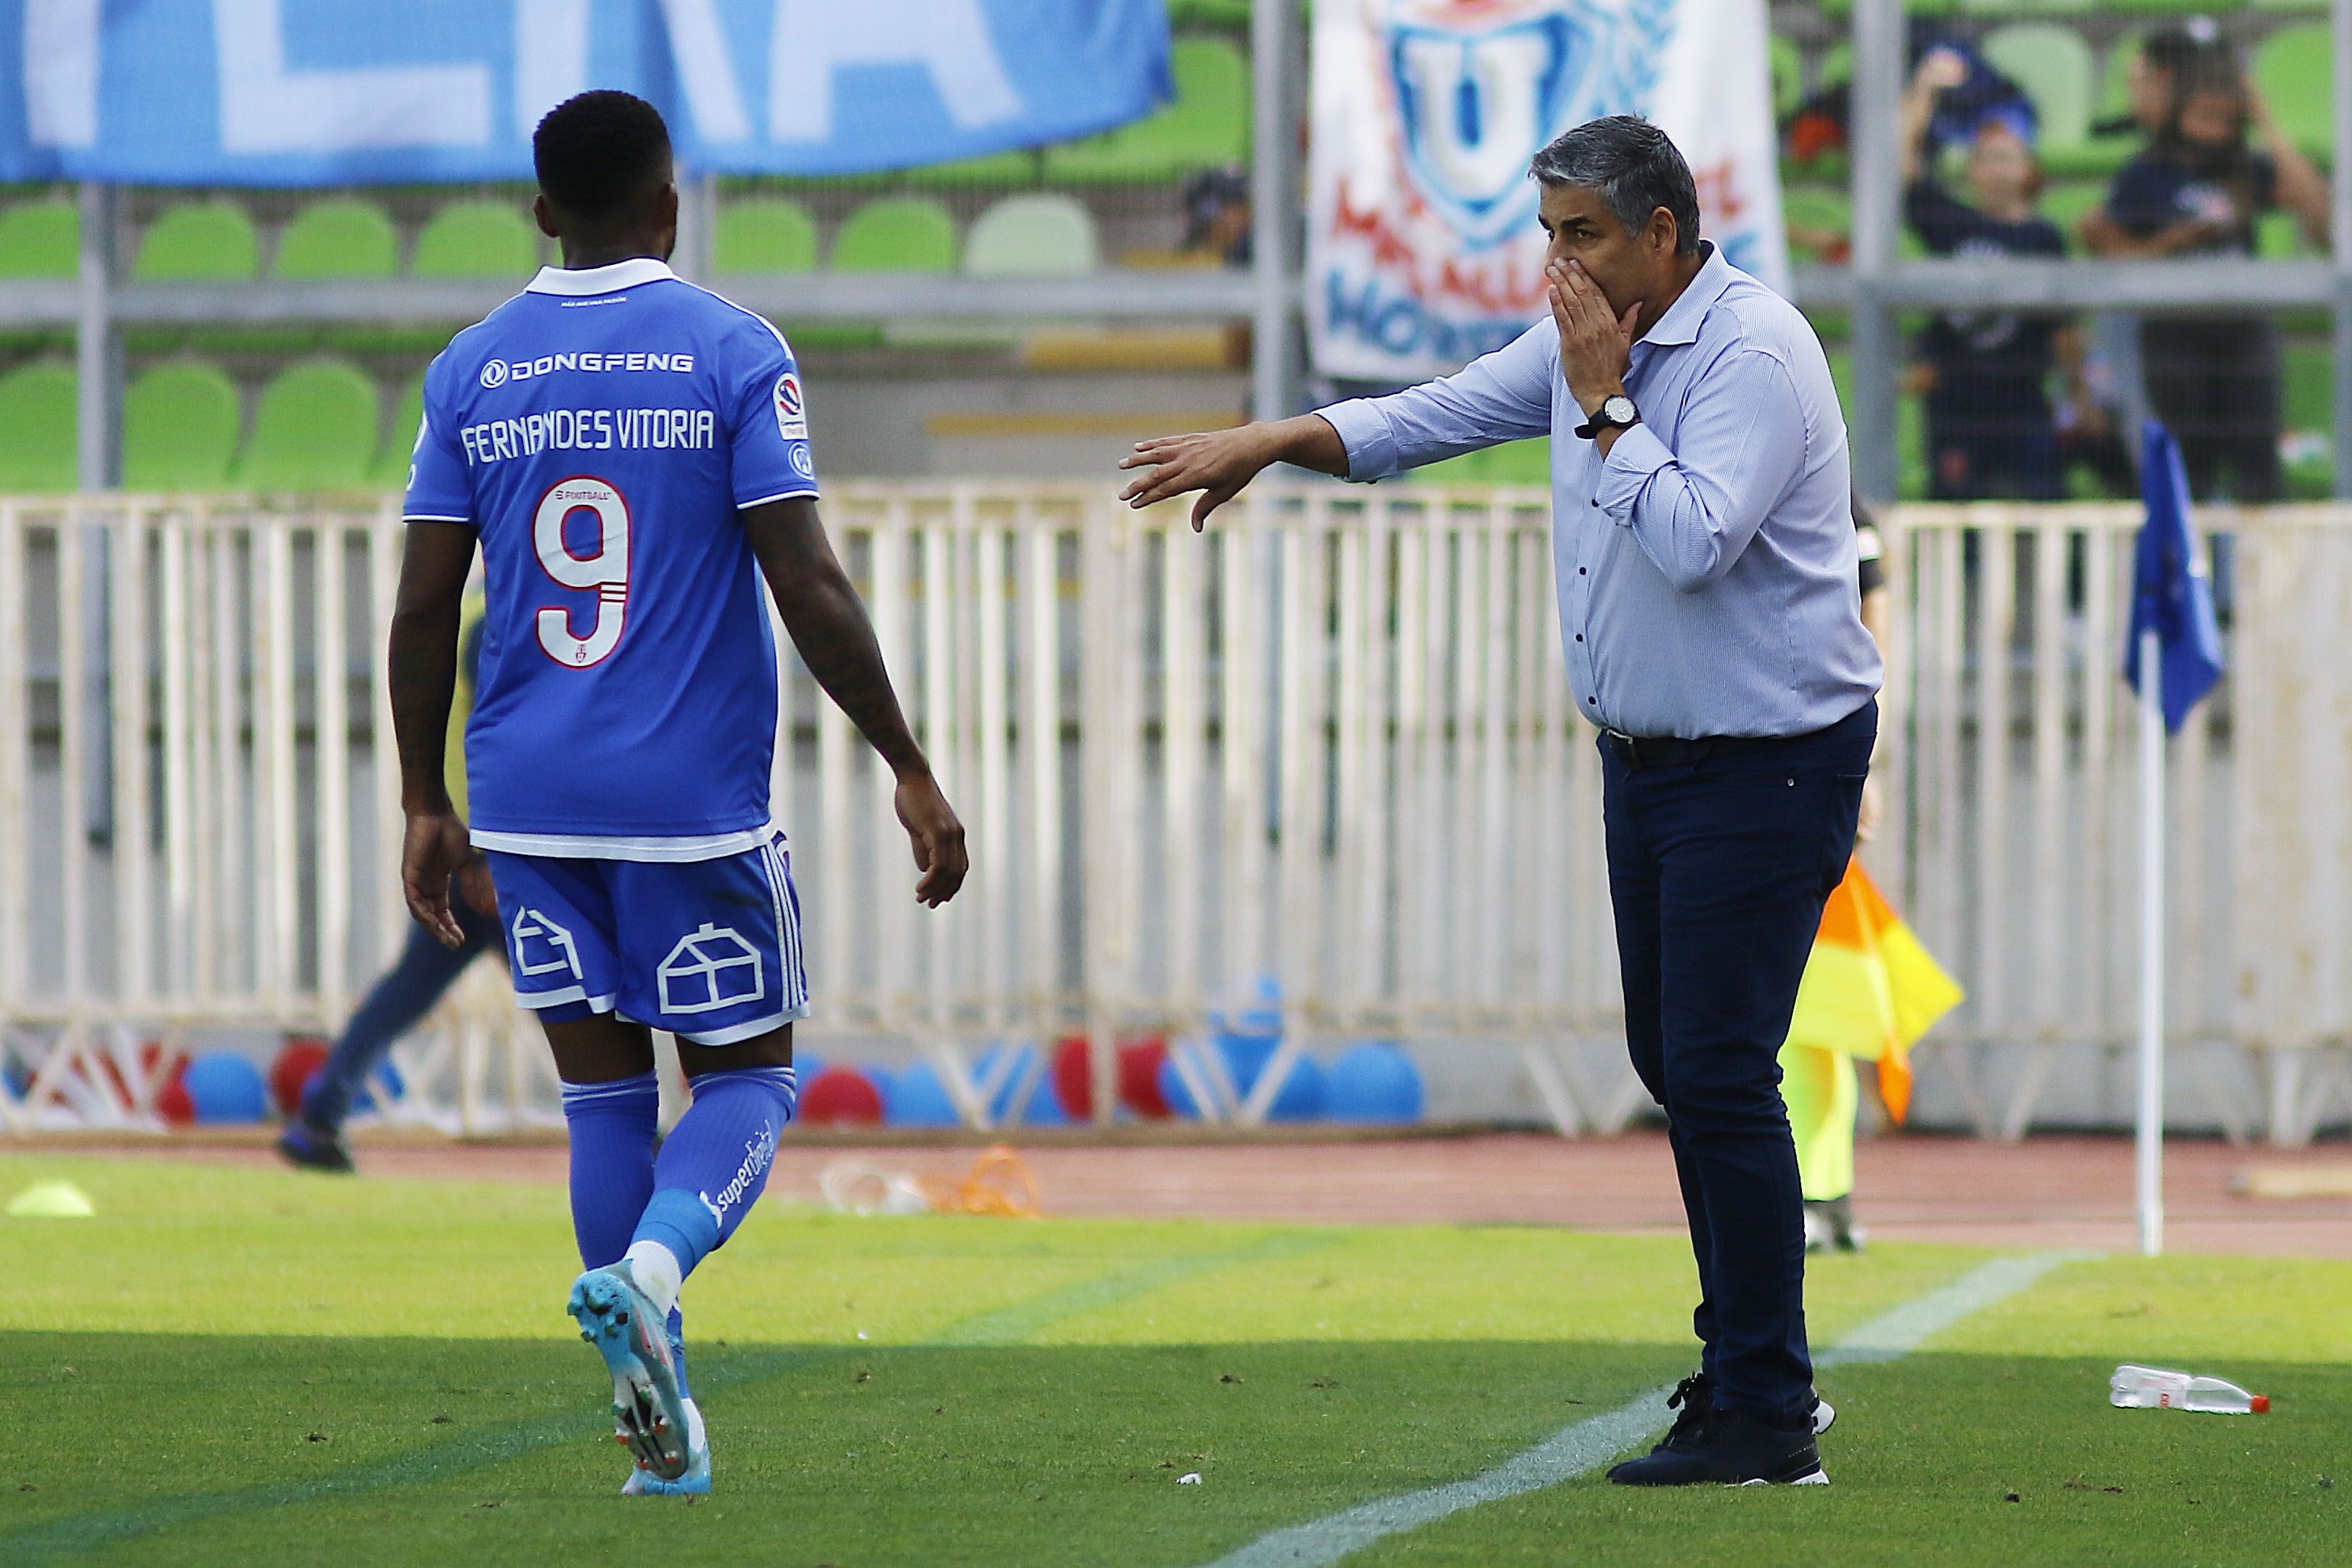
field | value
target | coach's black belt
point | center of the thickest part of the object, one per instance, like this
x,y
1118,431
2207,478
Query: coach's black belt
x,y
1640,751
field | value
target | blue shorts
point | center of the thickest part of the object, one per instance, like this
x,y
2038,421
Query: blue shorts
x,y
710,950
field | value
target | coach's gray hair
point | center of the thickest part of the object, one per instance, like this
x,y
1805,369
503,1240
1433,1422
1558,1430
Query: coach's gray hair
x,y
1634,166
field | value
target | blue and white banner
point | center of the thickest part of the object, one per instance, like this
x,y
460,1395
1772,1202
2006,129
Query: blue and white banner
x,y
311,93
1423,249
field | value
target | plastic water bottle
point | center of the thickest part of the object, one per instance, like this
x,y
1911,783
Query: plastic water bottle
x,y
2153,1388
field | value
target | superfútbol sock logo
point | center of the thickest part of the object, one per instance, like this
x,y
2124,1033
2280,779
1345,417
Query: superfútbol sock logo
x,y
1481,85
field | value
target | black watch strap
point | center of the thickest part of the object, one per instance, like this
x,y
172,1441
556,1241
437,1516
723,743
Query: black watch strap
x,y
1601,419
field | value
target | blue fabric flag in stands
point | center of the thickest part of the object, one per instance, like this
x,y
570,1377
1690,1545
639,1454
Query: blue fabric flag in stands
x,y
334,92
2171,595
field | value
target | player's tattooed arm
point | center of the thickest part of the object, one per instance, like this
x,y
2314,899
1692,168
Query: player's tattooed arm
x,y
422,660
1218,463
828,624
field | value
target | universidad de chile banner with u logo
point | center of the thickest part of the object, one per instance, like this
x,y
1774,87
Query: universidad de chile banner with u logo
x,y
313,92
1423,251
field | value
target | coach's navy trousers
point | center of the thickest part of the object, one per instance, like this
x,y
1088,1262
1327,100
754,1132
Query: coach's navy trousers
x,y
1718,870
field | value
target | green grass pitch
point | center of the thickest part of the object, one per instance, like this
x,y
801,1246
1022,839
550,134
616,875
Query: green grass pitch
x,y
242,1367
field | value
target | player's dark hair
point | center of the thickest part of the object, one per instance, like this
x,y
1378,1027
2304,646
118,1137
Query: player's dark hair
x,y
600,152
1634,166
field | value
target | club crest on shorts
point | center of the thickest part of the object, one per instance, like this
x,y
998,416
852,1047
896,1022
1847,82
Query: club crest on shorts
x,y
541,946
710,969
1481,87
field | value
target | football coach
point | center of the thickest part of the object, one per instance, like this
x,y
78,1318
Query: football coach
x,y
1705,553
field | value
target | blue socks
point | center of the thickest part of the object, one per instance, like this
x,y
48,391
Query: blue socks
x,y
713,1164
613,1127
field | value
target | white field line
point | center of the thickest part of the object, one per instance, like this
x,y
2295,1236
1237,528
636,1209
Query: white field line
x,y
1576,1449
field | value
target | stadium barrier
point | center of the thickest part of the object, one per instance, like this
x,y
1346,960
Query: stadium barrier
x,y
1327,745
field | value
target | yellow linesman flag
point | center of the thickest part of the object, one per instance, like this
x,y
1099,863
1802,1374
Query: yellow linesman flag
x,y
1870,990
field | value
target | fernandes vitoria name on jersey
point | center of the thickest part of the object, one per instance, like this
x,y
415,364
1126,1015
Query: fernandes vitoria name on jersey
x,y
590,430
626,707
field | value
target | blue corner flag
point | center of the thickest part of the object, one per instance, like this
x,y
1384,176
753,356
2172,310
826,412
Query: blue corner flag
x,y
2170,592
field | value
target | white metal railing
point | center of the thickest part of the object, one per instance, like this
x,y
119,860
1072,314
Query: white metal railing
x,y
1328,742
2018,841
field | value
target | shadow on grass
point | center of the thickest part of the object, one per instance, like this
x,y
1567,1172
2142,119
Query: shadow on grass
x,y
221,1449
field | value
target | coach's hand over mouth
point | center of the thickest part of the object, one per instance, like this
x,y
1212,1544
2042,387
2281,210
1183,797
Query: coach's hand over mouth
x,y
1596,343
930,822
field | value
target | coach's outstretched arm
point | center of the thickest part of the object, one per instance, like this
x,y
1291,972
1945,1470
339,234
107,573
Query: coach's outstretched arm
x,y
1218,463
423,661
829,625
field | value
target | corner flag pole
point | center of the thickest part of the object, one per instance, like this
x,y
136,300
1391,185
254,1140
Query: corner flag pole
x,y
2150,1162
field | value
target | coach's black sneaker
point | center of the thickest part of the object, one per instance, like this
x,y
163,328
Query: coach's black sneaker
x,y
1729,1448
305,1147
1694,1397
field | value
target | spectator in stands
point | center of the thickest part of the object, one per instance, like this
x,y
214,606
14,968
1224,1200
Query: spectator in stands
x,y
1217,217
1991,430
2155,75
2197,190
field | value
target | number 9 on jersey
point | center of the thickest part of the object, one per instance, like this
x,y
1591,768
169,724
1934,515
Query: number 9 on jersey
x,y
607,570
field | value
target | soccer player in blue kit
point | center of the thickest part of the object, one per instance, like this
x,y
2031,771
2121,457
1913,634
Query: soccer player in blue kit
x,y
631,454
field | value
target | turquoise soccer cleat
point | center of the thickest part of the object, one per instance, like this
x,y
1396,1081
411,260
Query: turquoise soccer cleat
x,y
649,1413
696,1482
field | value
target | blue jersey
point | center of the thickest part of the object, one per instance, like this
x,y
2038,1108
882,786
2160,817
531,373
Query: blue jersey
x,y
600,431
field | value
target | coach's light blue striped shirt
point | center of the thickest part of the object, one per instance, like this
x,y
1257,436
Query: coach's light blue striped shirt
x,y
1707,568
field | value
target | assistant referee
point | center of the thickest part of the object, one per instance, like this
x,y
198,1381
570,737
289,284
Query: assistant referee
x,y
1706,556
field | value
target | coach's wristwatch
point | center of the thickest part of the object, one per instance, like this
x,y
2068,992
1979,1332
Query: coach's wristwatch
x,y
1617,413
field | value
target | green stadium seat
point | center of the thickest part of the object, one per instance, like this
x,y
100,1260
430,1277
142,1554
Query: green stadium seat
x,y
477,239
1821,208
764,234
39,450
2308,407
1788,75
1841,10
2295,70
2052,64
1208,126
2013,7
1017,167
1039,236
180,422
1520,462
2307,388
199,242
40,239
1512,462
2278,236
2114,78
897,233
315,428
344,237
1910,429
2069,204
1837,63
1209,13
391,470
1470,468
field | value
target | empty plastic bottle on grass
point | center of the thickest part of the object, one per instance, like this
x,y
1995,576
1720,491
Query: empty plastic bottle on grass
x,y
2153,1388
